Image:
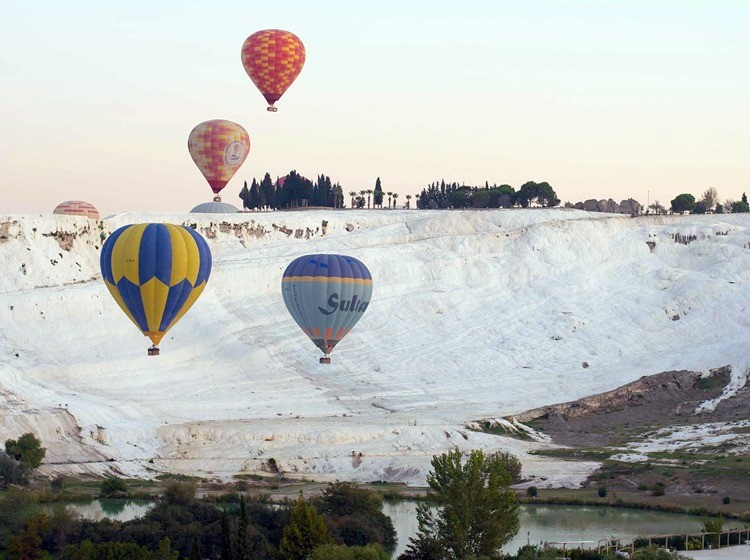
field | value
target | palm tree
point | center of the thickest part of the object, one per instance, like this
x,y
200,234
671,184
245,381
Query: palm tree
x,y
352,194
369,192
395,196
408,201
390,194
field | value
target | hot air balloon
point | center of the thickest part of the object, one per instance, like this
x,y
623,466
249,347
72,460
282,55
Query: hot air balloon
x,y
155,272
218,148
273,59
326,295
77,208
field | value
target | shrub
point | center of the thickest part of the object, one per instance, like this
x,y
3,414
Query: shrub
x,y
532,491
181,493
340,552
725,500
656,553
113,486
11,471
533,552
602,492
659,489
58,483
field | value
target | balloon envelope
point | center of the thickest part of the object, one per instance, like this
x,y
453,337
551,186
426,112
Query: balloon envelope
x,y
77,208
218,148
273,59
155,272
326,295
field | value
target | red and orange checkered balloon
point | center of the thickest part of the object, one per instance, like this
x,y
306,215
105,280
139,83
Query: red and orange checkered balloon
x,y
218,148
273,59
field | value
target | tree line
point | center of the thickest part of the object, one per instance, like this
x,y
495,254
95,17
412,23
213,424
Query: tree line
x,y
291,191
296,191
471,512
708,203
452,195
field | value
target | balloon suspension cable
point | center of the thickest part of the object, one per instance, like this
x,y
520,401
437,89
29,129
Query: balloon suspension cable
x,y
153,351
217,198
271,108
325,360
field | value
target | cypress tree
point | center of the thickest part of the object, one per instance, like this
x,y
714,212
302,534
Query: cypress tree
x,y
378,198
226,538
245,195
243,550
195,548
305,531
254,197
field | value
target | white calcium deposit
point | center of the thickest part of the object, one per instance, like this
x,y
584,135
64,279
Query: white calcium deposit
x,y
475,314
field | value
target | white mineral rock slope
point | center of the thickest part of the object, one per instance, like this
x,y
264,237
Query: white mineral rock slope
x,y
475,314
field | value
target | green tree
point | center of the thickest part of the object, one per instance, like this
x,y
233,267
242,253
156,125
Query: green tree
x,y
245,196
165,552
460,198
243,549
226,548
356,515
254,196
378,194
546,195
27,449
342,552
106,551
480,198
27,544
477,511
196,551
542,193
740,206
684,202
713,525
511,463
305,531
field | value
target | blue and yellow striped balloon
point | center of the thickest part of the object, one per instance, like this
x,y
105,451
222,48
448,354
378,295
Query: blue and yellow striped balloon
x,y
155,272
326,295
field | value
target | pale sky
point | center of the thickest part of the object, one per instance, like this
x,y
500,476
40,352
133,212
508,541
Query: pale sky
x,y
599,98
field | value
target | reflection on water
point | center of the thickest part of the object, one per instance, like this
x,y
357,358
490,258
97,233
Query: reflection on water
x,y
117,510
566,523
538,523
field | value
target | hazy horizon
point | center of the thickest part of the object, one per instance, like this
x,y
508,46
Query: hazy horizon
x,y
601,99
